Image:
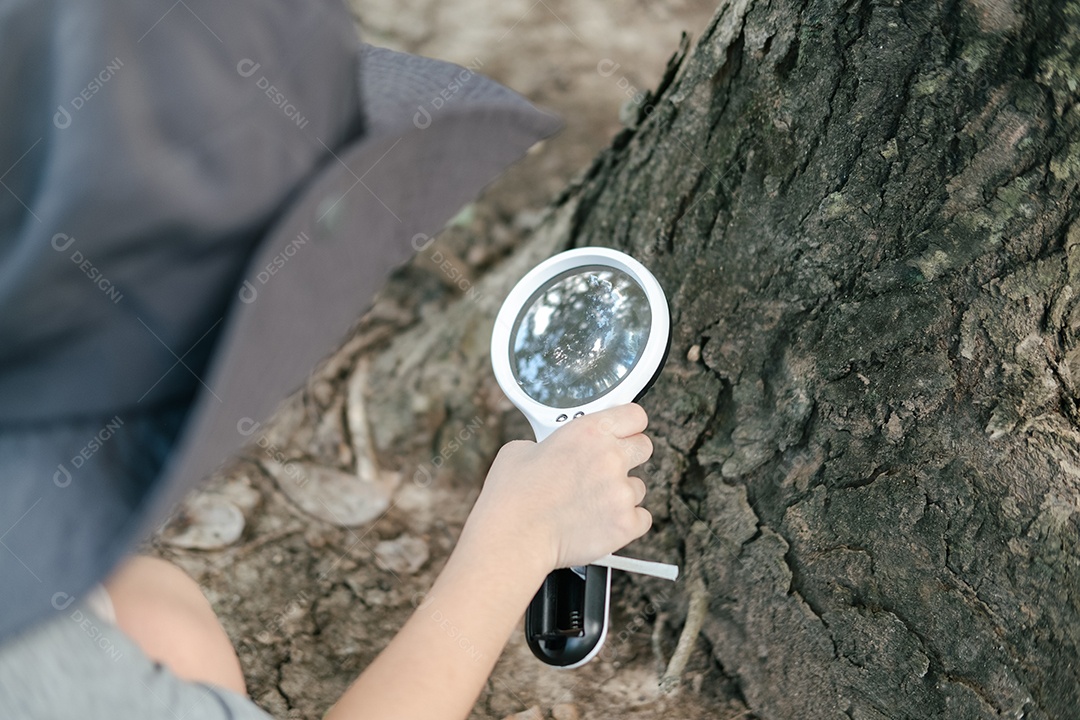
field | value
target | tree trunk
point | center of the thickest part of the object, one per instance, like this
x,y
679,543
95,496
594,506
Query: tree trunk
x,y
867,444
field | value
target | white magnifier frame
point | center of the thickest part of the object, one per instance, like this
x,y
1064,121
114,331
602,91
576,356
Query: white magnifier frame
x,y
544,419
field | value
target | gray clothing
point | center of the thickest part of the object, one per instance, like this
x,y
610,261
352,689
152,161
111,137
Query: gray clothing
x,y
199,198
80,667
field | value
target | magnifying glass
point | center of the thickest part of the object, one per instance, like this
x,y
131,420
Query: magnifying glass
x,y
586,330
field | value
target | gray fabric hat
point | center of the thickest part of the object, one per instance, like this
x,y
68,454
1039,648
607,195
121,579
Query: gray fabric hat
x,y
199,199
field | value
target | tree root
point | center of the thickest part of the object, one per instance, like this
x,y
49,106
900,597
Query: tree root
x,y
695,618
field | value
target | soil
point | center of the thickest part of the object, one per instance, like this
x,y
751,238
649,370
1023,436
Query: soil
x,y
309,602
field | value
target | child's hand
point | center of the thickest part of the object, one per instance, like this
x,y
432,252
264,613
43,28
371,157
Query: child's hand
x,y
569,498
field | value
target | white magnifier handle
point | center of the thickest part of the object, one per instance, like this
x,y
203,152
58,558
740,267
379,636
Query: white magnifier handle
x,y
664,571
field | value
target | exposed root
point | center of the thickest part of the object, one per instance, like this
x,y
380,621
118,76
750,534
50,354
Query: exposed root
x,y
695,618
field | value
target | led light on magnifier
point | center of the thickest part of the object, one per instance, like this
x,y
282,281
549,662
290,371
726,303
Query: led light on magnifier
x,y
586,330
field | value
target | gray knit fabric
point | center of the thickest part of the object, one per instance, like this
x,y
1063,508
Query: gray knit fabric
x,y
80,667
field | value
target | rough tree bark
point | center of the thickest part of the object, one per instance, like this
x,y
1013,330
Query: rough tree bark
x,y
868,452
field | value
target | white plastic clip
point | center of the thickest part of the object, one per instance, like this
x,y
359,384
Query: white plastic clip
x,y
664,571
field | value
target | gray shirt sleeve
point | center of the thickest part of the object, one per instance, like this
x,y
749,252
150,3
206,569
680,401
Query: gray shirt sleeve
x,y
80,667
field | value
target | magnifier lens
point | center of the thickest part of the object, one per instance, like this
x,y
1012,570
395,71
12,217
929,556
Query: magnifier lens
x,y
580,334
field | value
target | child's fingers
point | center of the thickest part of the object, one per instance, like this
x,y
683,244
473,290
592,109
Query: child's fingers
x,y
636,449
637,488
642,522
622,421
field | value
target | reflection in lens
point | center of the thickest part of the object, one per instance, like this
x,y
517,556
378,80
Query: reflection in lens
x,y
580,336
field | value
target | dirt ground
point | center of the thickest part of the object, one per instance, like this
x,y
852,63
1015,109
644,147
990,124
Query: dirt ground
x,y
311,553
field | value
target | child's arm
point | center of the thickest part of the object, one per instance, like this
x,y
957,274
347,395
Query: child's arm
x,y
562,502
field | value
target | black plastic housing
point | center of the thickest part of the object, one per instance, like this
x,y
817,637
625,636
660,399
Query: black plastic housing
x,y
565,620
